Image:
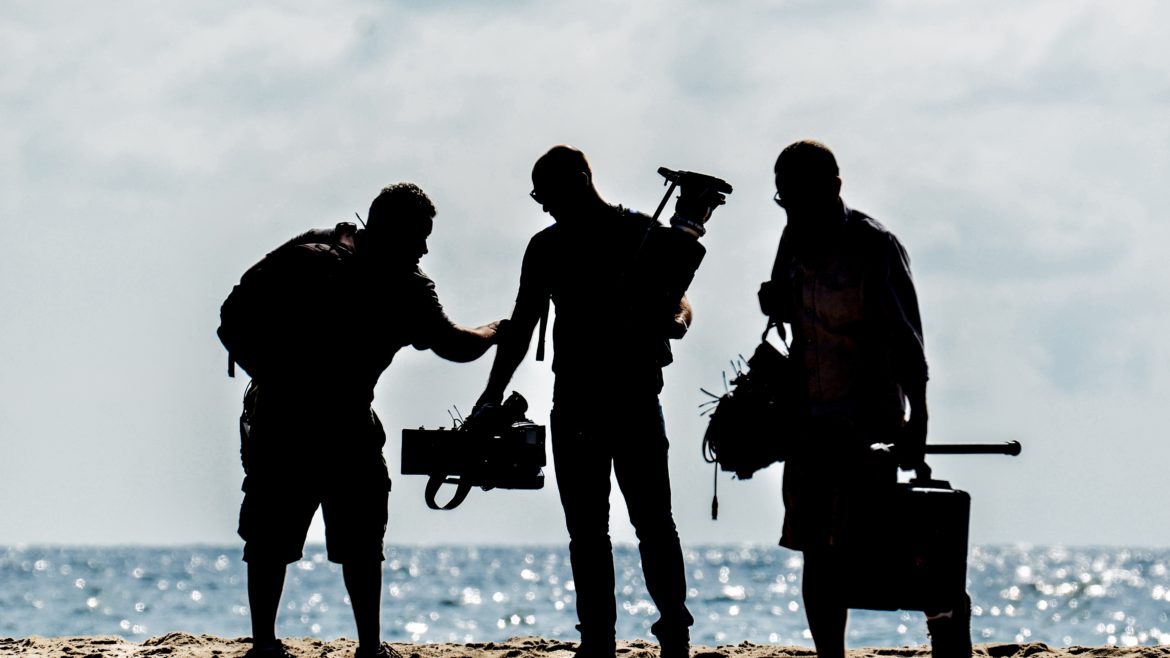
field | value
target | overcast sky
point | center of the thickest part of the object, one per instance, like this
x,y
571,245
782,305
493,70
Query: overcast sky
x,y
150,154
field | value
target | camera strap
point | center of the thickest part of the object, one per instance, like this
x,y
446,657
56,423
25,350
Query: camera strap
x,y
436,482
543,330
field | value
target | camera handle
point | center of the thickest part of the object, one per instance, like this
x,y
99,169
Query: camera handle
x,y
436,482
673,184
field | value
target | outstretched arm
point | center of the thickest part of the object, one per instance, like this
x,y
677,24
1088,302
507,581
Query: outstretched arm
x,y
462,344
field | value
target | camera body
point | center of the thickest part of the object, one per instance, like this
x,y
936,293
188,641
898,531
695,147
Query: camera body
x,y
497,448
503,458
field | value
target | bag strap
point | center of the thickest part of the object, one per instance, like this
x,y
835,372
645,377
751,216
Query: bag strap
x,y
543,331
780,331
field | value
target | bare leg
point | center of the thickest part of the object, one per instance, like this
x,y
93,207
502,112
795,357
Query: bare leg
x,y
363,581
822,604
265,583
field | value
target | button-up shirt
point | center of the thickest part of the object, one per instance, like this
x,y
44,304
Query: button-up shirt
x,y
857,333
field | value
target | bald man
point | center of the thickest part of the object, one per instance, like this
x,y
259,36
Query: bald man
x,y
618,280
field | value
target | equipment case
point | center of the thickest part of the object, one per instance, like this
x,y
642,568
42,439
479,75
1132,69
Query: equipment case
x,y
904,548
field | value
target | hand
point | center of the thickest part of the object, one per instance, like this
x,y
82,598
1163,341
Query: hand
x,y
481,414
498,329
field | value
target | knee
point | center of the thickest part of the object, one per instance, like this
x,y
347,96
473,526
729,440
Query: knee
x,y
654,525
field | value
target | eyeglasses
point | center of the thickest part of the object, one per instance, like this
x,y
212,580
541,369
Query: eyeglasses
x,y
779,201
535,197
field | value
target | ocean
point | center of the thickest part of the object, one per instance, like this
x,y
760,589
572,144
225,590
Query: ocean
x,y
1056,595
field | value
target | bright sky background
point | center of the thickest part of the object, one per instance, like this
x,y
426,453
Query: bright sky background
x,y
149,154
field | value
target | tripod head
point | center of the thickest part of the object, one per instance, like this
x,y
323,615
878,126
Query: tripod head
x,y
695,181
693,184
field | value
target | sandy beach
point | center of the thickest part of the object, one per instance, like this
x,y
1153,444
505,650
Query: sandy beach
x,y
182,645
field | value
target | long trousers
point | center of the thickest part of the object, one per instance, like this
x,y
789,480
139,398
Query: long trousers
x,y
629,437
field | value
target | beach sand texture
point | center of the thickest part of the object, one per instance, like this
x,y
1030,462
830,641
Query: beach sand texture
x,y
182,645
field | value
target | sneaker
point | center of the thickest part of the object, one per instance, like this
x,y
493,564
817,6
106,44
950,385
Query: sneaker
x,y
273,650
950,632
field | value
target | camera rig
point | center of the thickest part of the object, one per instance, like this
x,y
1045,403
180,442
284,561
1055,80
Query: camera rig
x,y
703,183
496,448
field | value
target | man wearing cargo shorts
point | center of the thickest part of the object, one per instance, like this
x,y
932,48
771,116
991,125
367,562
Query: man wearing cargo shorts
x,y
842,281
337,305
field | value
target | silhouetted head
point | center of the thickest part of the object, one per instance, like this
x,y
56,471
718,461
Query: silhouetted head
x,y
808,183
400,220
562,183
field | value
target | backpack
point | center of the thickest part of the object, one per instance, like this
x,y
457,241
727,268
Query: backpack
x,y
253,319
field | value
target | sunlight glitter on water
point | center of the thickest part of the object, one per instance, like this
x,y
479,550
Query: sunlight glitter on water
x,y
1051,594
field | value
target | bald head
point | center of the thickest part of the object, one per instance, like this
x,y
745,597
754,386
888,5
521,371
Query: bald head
x,y
562,183
807,178
561,161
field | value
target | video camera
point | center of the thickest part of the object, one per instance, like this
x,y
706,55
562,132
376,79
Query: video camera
x,y
497,448
691,182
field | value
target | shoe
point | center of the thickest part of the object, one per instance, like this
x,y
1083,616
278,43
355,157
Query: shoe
x,y
273,650
950,632
383,651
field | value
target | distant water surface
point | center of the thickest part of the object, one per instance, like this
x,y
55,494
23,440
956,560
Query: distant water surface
x,y
1061,596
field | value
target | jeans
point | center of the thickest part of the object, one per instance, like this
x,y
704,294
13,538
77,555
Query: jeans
x,y
629,436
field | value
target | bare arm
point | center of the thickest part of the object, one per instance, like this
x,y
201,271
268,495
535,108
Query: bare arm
x,y
512,347
462,344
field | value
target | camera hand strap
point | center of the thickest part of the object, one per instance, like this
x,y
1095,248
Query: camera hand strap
x,y
436,482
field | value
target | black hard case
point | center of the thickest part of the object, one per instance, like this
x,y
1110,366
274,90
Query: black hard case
x,y
904,548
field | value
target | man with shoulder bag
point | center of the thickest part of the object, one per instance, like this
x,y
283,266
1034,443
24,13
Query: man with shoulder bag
x,y
617,279
842,281
315,323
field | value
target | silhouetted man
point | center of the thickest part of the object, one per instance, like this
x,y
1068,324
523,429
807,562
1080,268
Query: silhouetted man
x,y
617,279
842,281
326,313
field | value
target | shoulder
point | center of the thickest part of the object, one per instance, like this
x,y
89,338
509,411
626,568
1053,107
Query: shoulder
x,y
541,247
419,290
311,236
877,243
869,231
635,220
544,236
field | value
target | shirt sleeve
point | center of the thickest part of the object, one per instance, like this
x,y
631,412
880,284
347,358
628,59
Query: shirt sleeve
x,y
903,322
534,271
428,318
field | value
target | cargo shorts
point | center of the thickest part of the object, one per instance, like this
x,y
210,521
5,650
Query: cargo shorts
x,y
297,460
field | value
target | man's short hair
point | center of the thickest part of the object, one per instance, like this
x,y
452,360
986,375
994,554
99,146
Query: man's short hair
x,y
397,203
807,159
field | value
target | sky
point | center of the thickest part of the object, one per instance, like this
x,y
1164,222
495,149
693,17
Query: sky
x,y
149,154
